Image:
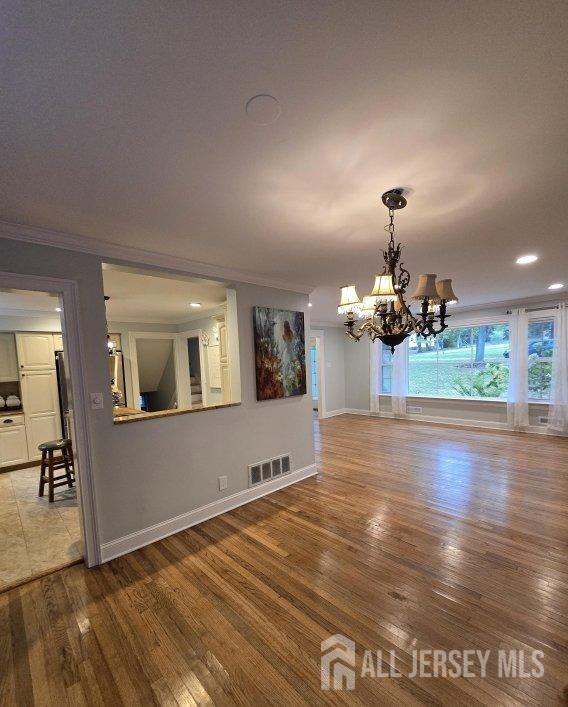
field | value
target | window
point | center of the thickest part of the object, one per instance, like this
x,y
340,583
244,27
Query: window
x,y
386,370
314,370
461,362
541,344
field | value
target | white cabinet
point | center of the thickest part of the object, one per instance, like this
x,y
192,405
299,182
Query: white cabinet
x,y
39,429
8,358
13,441
40,401
35,351
39,392
58,342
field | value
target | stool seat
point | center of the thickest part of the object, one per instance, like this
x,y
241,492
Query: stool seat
x,y
50,463
54,444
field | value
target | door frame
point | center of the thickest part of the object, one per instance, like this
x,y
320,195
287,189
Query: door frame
x,y
68,292
197,334
319,336
183,389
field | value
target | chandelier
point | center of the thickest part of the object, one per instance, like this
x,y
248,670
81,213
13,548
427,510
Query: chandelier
x,y
386,315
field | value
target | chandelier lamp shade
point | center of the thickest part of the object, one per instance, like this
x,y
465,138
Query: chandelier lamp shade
x,y
385,313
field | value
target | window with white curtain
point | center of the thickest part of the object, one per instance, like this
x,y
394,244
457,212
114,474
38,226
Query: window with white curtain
x,y
541,345
386,369
461,362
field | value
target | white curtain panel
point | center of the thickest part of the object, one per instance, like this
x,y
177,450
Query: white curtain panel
x,y
558,411
375,355
518,393
400,379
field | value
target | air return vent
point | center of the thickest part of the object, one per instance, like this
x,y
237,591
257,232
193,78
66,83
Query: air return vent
x,y
269,469
543,420
413,409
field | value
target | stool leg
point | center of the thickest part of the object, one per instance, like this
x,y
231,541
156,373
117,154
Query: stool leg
x,y
42,473
67,459
50,457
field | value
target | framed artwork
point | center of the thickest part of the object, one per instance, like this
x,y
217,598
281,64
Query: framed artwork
x,y
280,353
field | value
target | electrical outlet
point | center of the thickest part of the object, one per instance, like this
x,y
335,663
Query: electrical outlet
x,y
223,483
97,401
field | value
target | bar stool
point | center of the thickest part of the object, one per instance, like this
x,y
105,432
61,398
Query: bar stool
x,y
49,464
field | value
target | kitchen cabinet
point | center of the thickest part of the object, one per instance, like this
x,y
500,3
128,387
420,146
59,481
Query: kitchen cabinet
x,y
58,342
8,358
35,351
13,440
40,400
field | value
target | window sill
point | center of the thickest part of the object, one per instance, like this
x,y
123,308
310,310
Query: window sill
x,y
142,416
464,399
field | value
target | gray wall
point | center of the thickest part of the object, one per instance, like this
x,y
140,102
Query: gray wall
x,y
147,472
334,371
357,374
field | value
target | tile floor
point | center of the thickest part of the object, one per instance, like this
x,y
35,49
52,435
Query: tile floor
x,y
35,535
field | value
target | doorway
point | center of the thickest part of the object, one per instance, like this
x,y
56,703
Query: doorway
x,y
40,516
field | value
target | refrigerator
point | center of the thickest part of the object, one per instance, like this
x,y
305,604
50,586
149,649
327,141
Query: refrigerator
x,y
63,393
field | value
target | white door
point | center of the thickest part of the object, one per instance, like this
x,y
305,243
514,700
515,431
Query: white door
x,y
8,358
13,445
35,351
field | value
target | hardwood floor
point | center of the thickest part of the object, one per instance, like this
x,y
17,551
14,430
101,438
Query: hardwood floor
x,y
412,537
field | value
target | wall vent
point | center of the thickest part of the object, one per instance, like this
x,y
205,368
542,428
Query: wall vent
x,y
543,420
269,469
413,409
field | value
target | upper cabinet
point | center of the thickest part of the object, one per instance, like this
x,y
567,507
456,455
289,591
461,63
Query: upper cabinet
x,y
35,351
8,358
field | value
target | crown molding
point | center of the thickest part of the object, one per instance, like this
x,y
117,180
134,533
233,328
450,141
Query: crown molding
x,y
117,252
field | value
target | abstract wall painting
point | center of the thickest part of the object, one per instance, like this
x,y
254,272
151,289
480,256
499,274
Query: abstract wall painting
x,y
280,353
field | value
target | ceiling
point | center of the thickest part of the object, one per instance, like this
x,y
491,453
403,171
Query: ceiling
x,y
135,296
126,122
138,296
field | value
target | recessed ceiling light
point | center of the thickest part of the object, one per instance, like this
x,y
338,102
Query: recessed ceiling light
x,y
526,259
556,286
195,304
309,304
58,309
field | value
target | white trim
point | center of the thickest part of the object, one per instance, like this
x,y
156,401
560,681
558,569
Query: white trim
x,y
181,365
455,422
356,411
73,344
115,251
197,334
334,413
140,538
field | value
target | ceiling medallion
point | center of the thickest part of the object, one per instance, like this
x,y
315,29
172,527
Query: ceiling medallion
x,y
386,315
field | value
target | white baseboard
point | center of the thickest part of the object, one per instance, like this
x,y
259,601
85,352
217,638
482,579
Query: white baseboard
x,y
456,422
356,411
133,541
334,413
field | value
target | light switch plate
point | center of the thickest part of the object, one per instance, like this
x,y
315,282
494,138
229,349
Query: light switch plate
x,y
97,401
222,483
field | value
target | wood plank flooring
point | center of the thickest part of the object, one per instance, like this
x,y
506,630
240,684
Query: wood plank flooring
x,y
411,537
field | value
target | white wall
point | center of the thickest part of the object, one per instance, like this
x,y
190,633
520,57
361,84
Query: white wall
x,y
148,472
